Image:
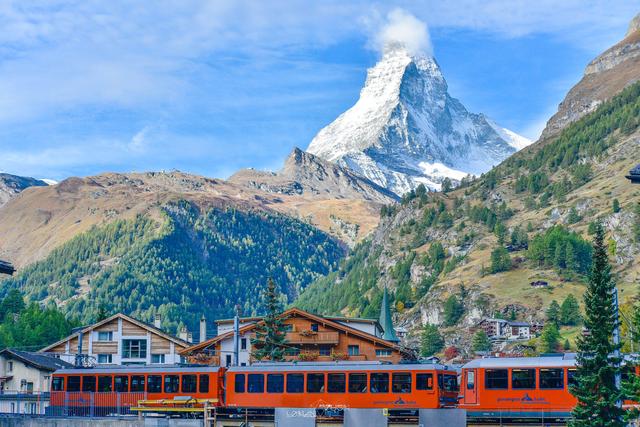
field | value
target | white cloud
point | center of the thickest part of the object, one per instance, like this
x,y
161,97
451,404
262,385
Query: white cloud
x,y
404,29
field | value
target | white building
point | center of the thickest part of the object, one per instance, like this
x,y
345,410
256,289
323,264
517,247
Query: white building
x,y
501,329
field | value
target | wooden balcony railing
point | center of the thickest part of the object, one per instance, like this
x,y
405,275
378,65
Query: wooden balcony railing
x,y
313,338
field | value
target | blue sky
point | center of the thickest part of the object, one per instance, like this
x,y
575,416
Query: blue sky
x,y
210,87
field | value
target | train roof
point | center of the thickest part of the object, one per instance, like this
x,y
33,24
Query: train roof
x,y
338,367
560,361
129,369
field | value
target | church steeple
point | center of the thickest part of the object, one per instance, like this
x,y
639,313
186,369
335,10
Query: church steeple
x,y
385,319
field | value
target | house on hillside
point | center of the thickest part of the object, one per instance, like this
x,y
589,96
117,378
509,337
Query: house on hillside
x,y
6,268
310,337
119,340
501,329
25,378
634,175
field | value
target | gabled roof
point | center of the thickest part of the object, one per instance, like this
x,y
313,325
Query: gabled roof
x,y
37,360
122,316
6,268
301,313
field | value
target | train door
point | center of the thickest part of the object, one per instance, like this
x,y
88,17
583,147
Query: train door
x,y
470,384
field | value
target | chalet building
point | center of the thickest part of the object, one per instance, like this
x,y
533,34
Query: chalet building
x,y
310,337
120,340
500,329
6,268
634,175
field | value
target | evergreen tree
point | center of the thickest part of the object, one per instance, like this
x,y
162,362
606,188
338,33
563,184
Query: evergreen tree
x,y
595,386
102,313
500,260
447,185
270,341
553,313
12,304
567,345
453,310
570,311
549,338
615,206
431,342
480,342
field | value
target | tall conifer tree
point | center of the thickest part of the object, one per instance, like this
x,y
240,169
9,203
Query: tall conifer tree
x,y
595,386
270,342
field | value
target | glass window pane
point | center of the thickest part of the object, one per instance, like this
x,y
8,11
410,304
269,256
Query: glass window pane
x,y
188,384
88,383
239,383
424,381
357,383
121,384
379,383
171,383
275,383
73,383
496,379
571,377
336,383
105,384
204,383
295,383
523,379
137,383
154,384
552,379
315,383
401,382
448,382
471,380
256,383
58,384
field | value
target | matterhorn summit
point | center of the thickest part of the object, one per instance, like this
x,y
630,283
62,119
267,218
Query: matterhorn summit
x,y
405,129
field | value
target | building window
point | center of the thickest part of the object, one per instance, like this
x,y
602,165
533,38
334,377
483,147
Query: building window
x,y
288,327
275,383
336,383
357,383
551,379
243,344
314,327
401,382
10,366
105,358
424,381
228,360
134,349
105,336
496,379
315,383
295,383
523,379
157,358
379,383
383,352
154,384
189,383
324,350
354,350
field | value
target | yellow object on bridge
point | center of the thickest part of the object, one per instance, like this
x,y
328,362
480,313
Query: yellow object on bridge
x,y
185,404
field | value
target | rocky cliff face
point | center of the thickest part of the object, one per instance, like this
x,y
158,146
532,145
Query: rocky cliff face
x,y
605,76
11,185
406,129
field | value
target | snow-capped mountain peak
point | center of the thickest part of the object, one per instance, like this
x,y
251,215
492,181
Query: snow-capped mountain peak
x,y
405,129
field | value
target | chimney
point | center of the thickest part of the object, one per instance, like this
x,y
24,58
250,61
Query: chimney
x,y
203,329
157,321
183,334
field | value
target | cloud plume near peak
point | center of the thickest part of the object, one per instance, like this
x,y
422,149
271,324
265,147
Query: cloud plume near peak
x,y
401,28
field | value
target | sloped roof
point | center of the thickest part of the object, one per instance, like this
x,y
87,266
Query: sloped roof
x,y
6,267
298,312
123,316
37,360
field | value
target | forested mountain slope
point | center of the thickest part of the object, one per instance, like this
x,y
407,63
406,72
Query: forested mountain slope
x,y
472,242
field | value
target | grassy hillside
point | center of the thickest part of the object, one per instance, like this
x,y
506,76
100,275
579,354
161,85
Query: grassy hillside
x,y
191,262
526,220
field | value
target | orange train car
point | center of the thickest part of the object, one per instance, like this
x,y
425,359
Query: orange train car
x,y
518,388
341,385
114,390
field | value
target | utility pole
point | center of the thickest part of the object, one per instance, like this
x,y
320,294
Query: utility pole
x,y
616,340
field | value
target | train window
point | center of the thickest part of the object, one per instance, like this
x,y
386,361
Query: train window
x,y
523,379
448,382
204,383
89,383
357,383
58,384
336,383
239,383
571,377
424,381
315,383
471,380
496,379
189,383
551,379
295,383
171,383
275,383
121,384
401,382
379,383
154,384
256,383
137,383
105,384
73,383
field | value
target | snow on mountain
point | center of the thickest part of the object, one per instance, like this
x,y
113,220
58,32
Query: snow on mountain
x,y
405,129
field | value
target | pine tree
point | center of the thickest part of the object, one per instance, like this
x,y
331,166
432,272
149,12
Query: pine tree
x,y
595,386
431,342
270,342
553,313
615,206
570,311
481,342
567,345
453,310
549,338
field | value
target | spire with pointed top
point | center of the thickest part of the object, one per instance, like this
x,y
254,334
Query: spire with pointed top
x,y
385,319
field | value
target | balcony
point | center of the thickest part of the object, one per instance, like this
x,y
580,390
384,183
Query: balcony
x,y
308,337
